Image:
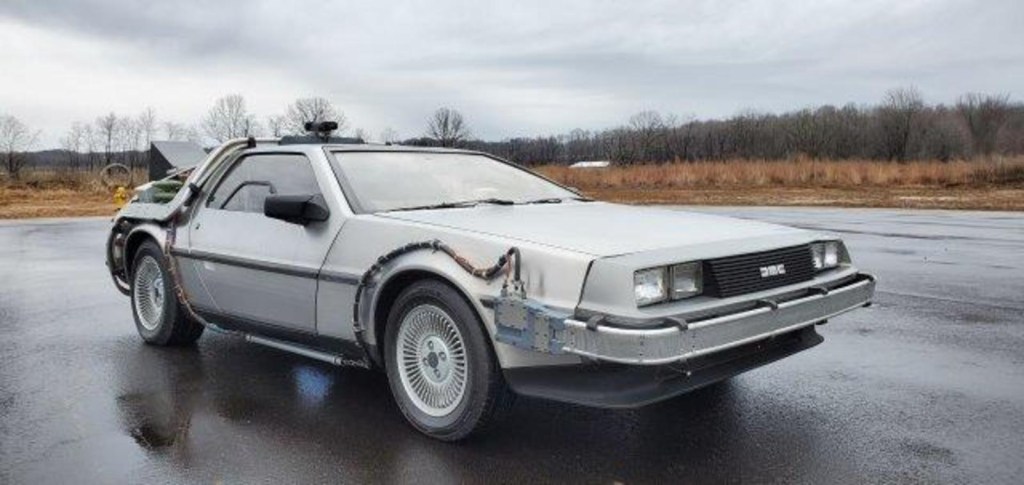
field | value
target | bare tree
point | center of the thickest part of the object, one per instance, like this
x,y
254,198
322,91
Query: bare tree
x,y
90,141
15,139
362,134
229,118
74,143
106,133
649,128
389,135
577,144
174,131
811,132
312,110
277,125
447,127
194,135
147,125
898,116
131,138
984,116
945,136
680,138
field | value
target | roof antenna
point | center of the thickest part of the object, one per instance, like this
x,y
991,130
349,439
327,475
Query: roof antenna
x,y
321,129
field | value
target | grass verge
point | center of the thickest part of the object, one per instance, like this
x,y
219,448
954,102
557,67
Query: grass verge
x,y
21,203
996,184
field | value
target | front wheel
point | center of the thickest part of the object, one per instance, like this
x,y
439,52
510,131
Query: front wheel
x,y
159,317
440,365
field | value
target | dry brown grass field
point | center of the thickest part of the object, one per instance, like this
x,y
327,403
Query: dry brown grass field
x,y
996,184
56,193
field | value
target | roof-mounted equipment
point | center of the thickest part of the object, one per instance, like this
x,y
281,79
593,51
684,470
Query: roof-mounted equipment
x,y
319,132
321,129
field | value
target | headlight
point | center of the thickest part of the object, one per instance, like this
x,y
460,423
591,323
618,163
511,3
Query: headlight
x,y
687,280
649,286
676,282
826,254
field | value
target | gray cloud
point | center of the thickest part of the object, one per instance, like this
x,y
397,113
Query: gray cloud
x,y
517,68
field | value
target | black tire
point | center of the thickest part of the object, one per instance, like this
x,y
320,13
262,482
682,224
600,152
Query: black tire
x,y
172,326
485,398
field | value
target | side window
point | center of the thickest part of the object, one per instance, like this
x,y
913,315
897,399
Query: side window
x,y
254,177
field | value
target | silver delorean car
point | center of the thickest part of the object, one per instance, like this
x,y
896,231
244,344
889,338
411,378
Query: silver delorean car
x,y
465,278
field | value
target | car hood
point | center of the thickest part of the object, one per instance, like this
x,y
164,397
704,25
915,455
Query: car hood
x,y
603,229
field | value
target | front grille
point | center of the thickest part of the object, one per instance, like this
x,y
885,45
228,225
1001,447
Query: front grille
x,y
737,275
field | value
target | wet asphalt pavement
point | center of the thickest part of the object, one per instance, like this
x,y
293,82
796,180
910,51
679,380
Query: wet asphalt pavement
x,y
925,386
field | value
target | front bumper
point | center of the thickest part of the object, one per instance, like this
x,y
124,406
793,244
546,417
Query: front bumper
x,y
611,385
525,324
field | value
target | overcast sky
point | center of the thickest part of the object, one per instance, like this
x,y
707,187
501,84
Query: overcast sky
x,y
518,67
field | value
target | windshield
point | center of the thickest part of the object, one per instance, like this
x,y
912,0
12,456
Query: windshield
x,y
385,181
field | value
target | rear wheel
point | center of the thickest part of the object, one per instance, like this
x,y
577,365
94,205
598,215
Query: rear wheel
x,y
440,365
159,317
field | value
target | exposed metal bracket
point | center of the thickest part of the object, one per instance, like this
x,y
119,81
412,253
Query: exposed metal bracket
x,y
678,322
818,290
768,303
529,325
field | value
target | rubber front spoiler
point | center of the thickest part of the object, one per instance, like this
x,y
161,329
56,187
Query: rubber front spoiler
x,y
610,385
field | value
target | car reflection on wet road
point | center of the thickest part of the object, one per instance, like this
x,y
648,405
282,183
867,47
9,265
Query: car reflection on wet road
x,y
926,385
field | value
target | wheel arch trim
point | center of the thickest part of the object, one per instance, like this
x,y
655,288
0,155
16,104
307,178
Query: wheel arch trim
x,y
394,282
136,237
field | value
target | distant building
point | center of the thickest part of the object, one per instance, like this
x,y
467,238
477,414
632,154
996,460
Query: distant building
x,y
167,156
591,164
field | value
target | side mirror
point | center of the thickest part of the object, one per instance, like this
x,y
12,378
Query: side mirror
x,y
296,209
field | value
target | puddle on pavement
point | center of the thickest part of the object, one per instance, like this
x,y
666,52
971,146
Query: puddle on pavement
x,y
154,420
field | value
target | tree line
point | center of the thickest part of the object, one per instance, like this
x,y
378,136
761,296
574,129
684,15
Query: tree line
x,y
901,127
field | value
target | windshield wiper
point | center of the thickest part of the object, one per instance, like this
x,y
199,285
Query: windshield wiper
x,y
549,200
555,200
455,205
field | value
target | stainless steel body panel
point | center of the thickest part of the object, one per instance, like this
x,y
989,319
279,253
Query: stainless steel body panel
x,y
578,259
236,256
193,287
554,276
601,229
262,269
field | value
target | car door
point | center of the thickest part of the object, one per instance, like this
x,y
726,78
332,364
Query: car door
x,y
258,270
